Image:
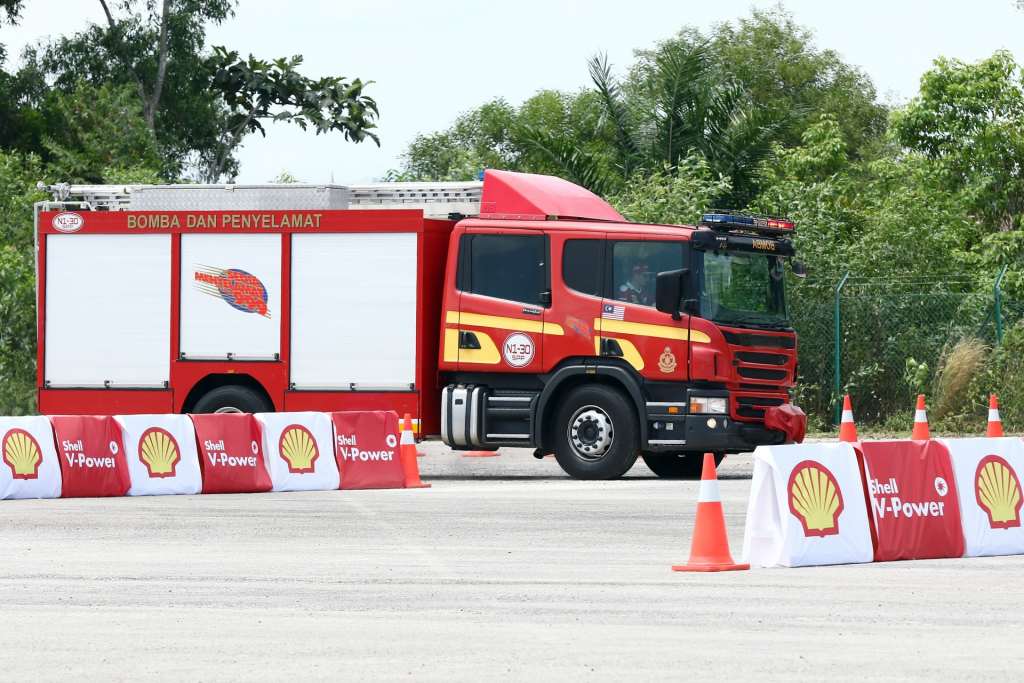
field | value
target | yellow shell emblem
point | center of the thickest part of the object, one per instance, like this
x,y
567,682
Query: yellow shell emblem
x,y
22,454
159,452
298,448
997,490
815,498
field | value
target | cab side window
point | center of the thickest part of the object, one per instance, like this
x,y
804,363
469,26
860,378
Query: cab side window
x,y
635,267
583,266
510,267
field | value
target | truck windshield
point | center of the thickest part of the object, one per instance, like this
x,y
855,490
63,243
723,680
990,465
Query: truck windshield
x,y
743,289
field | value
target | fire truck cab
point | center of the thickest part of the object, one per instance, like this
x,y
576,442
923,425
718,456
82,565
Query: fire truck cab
x,y
570,330
521,311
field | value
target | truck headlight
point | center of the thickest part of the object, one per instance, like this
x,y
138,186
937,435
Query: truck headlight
x,y
708,404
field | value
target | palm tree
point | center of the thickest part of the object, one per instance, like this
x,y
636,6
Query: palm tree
x,y
677,104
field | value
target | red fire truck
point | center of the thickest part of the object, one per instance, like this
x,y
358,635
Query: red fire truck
x,y
520,311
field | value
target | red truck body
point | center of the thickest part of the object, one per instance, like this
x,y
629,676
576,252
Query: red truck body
x,y
484,366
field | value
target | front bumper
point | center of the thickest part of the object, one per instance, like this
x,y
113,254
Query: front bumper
x,y
707,433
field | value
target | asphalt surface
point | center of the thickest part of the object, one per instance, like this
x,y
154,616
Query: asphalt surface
x,y
505,568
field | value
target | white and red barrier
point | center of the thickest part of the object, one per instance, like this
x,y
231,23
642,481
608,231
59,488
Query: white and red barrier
x,y
806,507
988,479
366,449
231,453
161,454
28,462
299,450
914,506
92,456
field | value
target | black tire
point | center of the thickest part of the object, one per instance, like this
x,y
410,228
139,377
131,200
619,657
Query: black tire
x,y
604,424
678,465
232,398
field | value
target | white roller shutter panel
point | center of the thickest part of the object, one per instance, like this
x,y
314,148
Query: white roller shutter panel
x,y
353,312
231,296
108,308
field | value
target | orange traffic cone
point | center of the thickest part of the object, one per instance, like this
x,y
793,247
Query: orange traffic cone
x,y
995,425
847,428
407,453
709,551
479,454
403,427
920,432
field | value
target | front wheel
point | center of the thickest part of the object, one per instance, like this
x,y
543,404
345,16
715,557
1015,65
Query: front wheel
x,y
678,465
596,433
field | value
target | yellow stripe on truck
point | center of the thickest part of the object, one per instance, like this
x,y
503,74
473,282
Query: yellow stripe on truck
x,y
629,352
487,354
648,330
503,323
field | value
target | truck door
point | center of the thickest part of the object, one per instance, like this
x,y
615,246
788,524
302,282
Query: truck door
x,y
577,282
630,326
505,285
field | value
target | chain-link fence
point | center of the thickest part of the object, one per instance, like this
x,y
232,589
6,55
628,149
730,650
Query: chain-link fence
x,y
883,339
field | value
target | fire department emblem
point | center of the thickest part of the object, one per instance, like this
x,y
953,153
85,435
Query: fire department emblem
x,y
298,448
815,498
22,454
159,452
997,490
667,361
241,290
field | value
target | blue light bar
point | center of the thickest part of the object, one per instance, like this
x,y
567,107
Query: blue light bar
x,y
741,221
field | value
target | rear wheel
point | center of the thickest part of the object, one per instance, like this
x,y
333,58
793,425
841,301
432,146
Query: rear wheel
x,y
233,398
596,433
678,465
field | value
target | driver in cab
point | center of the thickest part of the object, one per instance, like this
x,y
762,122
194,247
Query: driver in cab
x,y
636,290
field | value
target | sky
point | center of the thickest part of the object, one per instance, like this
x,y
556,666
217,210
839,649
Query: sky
x,y
431,61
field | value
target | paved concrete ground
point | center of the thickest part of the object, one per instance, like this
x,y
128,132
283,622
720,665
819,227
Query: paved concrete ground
x,y
504,568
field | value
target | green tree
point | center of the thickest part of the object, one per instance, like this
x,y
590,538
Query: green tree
x,y
970,117
780,68
158,48
18,174
255,91
733,95
677,196
99,131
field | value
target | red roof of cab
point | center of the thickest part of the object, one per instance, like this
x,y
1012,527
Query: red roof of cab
x,y
528,196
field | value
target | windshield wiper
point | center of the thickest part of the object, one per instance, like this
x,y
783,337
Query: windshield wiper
x,y
756,322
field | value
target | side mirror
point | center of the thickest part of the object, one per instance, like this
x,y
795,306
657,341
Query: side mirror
x,y
799,268
668,293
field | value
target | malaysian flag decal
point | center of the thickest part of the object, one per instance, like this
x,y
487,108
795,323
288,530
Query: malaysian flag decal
x,y
610,312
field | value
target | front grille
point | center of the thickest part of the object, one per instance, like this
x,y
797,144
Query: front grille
x,y
760,373
753,407
764,387
762,358
769,341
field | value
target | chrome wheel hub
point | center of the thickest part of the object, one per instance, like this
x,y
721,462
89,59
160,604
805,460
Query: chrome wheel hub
x,y
591,433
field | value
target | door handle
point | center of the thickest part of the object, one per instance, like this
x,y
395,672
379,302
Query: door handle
x,y
468,340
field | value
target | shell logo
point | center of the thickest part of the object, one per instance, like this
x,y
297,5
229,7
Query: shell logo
x,y
159,452
815,498
22,454
298,448
997,490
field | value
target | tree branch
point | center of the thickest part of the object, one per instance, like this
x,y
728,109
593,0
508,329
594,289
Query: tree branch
x,y
106,10
138,81
161,70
